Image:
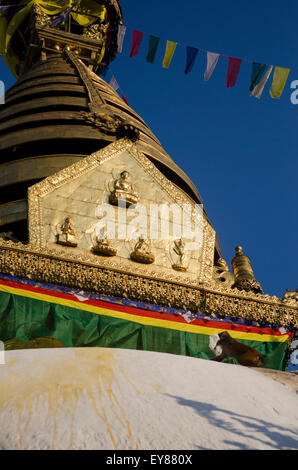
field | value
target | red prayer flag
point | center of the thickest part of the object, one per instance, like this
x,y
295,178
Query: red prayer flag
x,y
124,99
136,42
233,71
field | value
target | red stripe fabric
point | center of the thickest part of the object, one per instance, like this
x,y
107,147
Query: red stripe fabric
x,y
147,313
233,71
136,42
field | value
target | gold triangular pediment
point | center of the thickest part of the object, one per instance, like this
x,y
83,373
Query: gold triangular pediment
x,y
70,200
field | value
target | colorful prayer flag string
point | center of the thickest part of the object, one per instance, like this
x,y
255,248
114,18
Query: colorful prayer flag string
x,y
259,77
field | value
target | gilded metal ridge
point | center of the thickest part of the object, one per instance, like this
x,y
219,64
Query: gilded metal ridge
x,y
52,266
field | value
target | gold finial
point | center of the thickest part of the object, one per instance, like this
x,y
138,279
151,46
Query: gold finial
x,y
243,272
238,250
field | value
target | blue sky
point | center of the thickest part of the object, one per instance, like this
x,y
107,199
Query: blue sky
x,y
240,152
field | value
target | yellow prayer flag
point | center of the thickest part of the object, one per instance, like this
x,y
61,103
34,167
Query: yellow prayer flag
x,y
279,80
170,49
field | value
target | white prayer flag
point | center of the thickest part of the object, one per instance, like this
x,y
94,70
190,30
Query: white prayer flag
x,y
188,316
120,37
113,83
258,89
212,59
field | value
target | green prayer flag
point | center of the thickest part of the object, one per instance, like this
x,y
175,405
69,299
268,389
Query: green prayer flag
x,y
256,74
152,48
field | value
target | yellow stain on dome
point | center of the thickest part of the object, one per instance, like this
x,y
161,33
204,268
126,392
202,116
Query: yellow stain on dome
x,y
60,384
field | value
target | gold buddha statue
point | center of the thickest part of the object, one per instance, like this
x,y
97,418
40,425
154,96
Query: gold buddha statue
x,y
67,236
123,191
102,244
142,251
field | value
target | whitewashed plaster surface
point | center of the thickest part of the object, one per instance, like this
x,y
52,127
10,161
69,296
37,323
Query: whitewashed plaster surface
x,y
97,398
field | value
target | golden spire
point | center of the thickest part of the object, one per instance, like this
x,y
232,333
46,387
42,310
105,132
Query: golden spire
x,y
244,276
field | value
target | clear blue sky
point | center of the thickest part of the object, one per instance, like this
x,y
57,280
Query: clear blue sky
x,y
240,152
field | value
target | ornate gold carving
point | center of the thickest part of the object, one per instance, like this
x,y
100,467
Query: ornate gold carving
x,y
291,294
37,231
96,100
102,121
142,251
96,31
123,191
102,245
244,276
221,273
41,19
8,236
179,250
128,130
51,266
67,237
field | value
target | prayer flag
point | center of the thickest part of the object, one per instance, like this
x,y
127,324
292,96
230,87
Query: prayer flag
x,y
152,48
212,60
233,71
120,36
191,54
279,80
136,42
170,49
59,19
256,74
258,89
113,83
124,99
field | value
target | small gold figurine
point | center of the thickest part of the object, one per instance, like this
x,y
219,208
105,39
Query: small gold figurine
x,y
179,249
142,251
67,237
221,273
102,245
291,294
123,191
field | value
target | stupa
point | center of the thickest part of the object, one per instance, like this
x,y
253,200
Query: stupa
x,y
85,186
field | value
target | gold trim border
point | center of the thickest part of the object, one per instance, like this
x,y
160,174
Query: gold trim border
x,y
51,266
37,192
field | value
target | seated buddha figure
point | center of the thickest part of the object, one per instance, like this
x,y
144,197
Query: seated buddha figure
x,y
102,244
123,191
66,235
142,251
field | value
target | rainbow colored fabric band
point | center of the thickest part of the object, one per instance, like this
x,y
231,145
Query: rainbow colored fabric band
x,y
145,317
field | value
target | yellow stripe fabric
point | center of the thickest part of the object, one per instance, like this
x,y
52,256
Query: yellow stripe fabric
x,y
170,49
88,7
280,77
50,7
187,327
